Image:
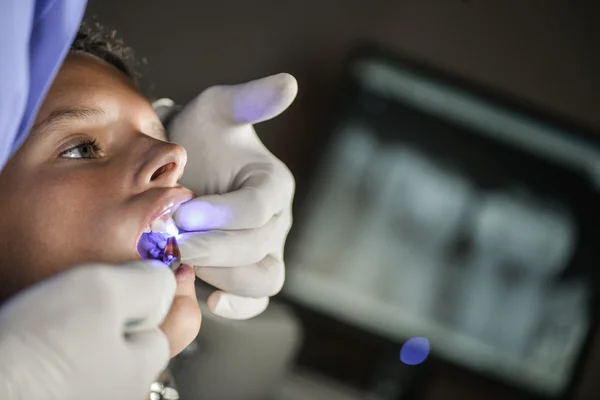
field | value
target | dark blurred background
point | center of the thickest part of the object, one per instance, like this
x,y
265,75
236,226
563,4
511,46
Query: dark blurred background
x,y
545,51
538,52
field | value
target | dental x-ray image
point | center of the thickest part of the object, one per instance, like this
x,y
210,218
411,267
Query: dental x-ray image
x,y
440,211
519,247
385,223
335,212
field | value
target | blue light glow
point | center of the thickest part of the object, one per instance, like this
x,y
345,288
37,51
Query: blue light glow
x,y
197,215
414,351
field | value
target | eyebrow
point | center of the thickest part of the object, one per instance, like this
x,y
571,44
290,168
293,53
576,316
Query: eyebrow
x,y
73,114
81,114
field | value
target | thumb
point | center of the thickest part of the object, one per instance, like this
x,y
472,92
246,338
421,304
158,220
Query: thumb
x,y
251,102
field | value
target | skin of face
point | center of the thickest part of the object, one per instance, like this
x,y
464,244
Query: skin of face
x,y
94,170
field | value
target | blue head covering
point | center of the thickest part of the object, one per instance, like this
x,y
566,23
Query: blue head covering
x,y
35,36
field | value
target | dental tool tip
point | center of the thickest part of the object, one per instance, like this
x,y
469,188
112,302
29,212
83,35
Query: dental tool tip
x,y
171,251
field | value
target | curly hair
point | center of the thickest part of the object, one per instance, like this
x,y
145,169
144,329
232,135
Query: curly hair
x,y
93,38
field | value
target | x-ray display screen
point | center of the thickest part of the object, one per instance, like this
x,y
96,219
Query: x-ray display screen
x,y
430,223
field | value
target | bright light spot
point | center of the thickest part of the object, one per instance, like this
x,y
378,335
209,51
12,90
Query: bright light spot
x,y
414,351
170,229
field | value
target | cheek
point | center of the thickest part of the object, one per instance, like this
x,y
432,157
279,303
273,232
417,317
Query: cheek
x,y
39,225
51,225
82,223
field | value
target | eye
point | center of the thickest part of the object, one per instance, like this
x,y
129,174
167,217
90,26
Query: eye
x,y
84,150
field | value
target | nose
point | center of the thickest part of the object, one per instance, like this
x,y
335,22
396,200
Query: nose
x,y
163,166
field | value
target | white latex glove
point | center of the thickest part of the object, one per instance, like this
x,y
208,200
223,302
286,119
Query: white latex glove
x,y
63,339
245,193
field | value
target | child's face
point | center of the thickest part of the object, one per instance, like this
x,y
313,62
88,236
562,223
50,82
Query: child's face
x,y
95,170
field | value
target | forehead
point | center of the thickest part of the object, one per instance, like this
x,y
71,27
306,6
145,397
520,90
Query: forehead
x,y
84,77
87,82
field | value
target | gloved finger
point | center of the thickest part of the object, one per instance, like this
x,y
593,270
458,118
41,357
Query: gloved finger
x,y
262,279
149,355
230,306
165,108
251,102
261,197
149,288
228,248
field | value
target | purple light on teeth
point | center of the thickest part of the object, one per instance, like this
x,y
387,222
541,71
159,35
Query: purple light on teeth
x,y
155,252
151,246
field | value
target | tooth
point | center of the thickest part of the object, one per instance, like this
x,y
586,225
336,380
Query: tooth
x,y
164,225
170,228
158,224
147,229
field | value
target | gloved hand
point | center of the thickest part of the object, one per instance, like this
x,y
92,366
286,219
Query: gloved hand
x,y
63,339
238,225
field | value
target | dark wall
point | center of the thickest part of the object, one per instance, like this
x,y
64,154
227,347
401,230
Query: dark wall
x,y
542,50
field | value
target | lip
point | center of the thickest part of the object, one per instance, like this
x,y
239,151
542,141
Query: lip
x,y
167,198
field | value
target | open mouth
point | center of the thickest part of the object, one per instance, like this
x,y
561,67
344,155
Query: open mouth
x,y
152,242
151,246
159,225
